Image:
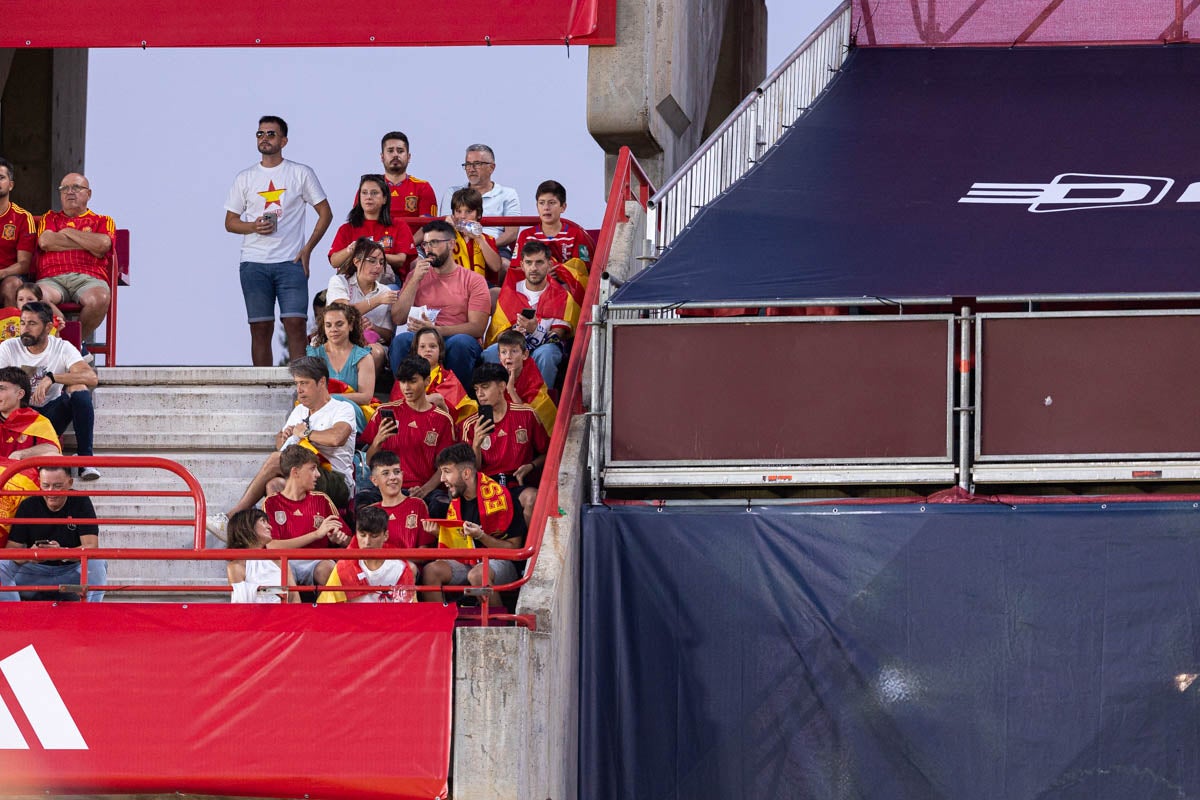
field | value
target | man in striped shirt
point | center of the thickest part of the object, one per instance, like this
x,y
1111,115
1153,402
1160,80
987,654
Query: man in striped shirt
x,y
76,245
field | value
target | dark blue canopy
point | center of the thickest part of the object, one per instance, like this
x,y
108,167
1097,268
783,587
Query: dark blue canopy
x,y
990,173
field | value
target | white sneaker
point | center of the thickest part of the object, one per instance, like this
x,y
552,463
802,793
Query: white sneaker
x,y
217,525
89,474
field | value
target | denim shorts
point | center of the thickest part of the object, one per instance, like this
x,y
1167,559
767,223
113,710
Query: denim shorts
x,y
263,283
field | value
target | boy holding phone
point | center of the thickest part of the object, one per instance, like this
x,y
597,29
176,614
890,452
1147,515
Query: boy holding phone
x,y
414,429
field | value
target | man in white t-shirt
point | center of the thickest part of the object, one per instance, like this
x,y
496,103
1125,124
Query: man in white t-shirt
x,y
61,381
266,205
498,200
318,422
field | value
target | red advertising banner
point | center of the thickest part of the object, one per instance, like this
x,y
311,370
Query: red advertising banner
x,y
233,23
336,702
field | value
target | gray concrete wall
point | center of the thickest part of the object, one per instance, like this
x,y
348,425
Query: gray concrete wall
x,y
678,68
516,710
43,120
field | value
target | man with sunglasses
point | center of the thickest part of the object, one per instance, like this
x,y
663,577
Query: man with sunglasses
x,y
266,206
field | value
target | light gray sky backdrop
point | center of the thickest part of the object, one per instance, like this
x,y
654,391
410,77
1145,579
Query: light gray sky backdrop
x,y
168,129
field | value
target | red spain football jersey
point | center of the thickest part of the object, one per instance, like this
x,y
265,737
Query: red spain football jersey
x,y
80,261
16,234
571,242
516,440
404,525
291,519
420,436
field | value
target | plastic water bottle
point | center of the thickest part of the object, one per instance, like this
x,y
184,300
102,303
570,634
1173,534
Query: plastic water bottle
x,y
291,440
470,227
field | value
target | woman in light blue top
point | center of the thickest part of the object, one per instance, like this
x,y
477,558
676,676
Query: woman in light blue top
x,y
340,344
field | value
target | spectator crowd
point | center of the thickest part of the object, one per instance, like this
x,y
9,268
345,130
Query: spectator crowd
x,y
424,395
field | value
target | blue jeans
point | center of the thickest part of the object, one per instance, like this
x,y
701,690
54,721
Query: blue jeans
x,y
73,407
548,357
462,351
33,573
263,283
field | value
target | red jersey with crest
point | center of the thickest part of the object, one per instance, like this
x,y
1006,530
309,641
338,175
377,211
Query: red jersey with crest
x,y
571,242
395,239
515,441
404,525
80,261
412,197
16,234
419,437
291,519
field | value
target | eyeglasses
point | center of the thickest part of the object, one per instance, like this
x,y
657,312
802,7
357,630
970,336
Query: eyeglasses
x,y
265,134
373,260
478,164
73,189
437,241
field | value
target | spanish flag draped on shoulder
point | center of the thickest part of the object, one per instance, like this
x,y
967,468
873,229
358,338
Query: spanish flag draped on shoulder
x,y
556,302
495,515
22,429
531,390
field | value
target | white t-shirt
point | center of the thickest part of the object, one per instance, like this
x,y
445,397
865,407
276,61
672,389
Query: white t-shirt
x,y
538,337
333,412
58,356
284,190
501,201
342,289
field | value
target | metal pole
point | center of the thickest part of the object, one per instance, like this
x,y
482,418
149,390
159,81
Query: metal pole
x,y
596,415
964,399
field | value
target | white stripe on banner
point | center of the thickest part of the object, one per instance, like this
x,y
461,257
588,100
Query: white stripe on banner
x,y
41,702
10,734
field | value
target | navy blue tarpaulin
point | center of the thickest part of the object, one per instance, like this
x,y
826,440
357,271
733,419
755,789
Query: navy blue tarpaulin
x,y
891,652
1027,172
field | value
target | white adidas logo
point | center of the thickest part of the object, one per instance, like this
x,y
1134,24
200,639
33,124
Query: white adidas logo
x,y
43,706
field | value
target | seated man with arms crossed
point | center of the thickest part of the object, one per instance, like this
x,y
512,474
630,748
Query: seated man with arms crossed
x,y
76,246
489,519
302,517
459,297
391,575
72,532
325,425
61,380
414,429
510,444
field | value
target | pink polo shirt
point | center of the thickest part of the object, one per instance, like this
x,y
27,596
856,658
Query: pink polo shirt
x,y
455,294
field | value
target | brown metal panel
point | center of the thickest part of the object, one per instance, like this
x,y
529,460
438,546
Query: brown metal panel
x,y
867,389
1089,385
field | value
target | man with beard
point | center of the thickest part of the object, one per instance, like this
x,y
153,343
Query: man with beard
x,y
24,433
410,197
438,292
266,206
17,239
60,380
488,518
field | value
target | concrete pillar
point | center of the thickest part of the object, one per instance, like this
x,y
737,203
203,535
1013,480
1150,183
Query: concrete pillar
x,y
43,119
678,68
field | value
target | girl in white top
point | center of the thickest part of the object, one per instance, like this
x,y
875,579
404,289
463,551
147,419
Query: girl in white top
x,y
357,284
250,530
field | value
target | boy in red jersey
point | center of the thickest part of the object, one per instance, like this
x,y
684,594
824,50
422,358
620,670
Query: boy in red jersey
x,y
404,514
567,239
302,517
17,239
414,429
512,446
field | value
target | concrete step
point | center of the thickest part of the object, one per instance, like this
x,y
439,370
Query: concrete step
x,y
128,440
265,377
168,425
220,399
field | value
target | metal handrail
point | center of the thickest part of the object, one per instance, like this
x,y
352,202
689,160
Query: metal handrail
x,y
753,127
